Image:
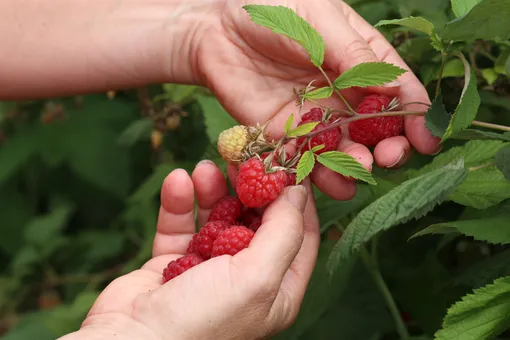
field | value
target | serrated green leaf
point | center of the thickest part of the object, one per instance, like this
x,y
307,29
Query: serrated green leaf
x,y
473,153
318,148
485,271
436,118
345,165
468,105
472,134
320,93
495,229
305,166
216,117
502,161
486,20
288,123
139,129
368,74
482,188
412,199
462,7
302,130
417,23
283,20
481,315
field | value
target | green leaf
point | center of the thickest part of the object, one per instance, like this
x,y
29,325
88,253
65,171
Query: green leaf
x,y
215,116
495,229
471,134
139,129
482,188
412,199
462,7
490,75
320,93
502,160
473,153
152,185
305,166
16,152
481,315
417,23
468,104
288,123
283,20
486,20
303,129
318,148
43,229
368,74
436,118
345,165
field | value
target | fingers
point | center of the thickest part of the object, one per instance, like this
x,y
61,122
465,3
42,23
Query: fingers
x,y
176,223
210,186
411,89
278,240
392,152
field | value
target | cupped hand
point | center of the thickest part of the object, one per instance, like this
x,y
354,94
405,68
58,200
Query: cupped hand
x,y
247,296
253,72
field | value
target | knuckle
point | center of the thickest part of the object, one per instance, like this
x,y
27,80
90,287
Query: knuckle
x,y
358,49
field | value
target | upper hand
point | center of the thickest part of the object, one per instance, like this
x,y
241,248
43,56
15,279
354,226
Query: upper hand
x,y
248,296
253,72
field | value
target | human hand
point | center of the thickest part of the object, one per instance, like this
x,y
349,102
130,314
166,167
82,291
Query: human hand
x,y
252,71
248,296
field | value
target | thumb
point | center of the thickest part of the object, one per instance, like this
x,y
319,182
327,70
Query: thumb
x,y
279,238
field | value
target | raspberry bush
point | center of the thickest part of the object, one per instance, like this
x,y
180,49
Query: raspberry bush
x,y
419,253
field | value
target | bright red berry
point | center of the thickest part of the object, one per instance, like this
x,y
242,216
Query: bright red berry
x,y
201,244
179,266
329,138
371,131
226,209
314,115
232,241
255,187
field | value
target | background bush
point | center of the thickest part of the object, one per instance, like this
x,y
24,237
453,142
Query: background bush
x,y
80,180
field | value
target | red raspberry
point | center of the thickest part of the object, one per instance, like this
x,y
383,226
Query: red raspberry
x,y
257,188
371,131
232,241
291,179
226,209
179,266
330,138
251,219
314,115
202,243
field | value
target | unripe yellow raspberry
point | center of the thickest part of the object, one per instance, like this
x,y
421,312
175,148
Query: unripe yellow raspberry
x,y
231,143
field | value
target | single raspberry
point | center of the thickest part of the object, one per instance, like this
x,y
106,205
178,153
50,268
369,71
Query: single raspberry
x,y
227,209
232,241
251,219
371,131
330,138
231,143
193,246
206,237
314,115
179,266
255,187
291,179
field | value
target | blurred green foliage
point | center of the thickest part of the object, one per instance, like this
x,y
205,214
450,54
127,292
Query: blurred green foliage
x,y
80,179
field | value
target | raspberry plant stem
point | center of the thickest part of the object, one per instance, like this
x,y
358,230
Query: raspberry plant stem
x,y
373,268
351,110
491,126
440,75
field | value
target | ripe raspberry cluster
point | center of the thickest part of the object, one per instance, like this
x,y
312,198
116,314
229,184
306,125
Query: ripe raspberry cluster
x,y
230,229
265,168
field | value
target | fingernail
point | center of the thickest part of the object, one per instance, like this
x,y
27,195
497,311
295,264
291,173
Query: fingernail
x,y
399,161
297,196
204,162
438,150
394,83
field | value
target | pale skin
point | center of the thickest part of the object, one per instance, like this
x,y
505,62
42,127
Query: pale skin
x,y
62,47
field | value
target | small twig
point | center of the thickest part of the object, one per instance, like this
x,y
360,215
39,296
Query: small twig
x,y
480,167
351,110
440,76
490,125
